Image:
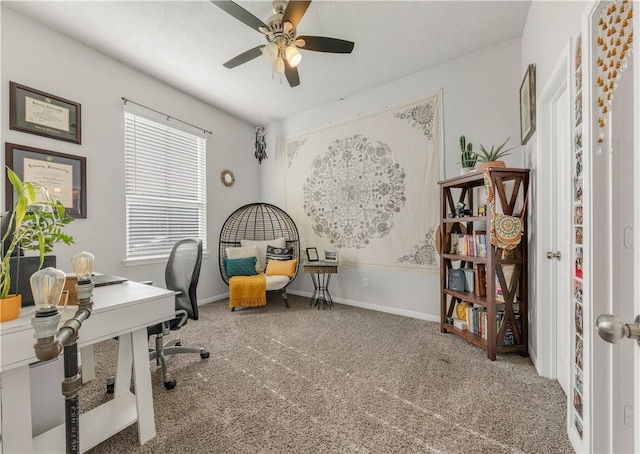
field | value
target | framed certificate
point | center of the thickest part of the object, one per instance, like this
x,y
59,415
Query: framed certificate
x,y
64,175
36,112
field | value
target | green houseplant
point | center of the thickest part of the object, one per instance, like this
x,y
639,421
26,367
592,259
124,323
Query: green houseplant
x,y
468,157
36,224
491,158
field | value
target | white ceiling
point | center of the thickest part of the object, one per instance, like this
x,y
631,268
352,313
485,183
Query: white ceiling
x,y
185,43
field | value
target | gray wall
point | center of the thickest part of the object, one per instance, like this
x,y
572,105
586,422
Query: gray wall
x,y
37,57
480,94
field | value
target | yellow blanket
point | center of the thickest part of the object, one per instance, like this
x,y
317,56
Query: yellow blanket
x,y
248,290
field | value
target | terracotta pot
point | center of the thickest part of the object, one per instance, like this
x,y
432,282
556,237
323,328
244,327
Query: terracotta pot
x,y
495,164
10,307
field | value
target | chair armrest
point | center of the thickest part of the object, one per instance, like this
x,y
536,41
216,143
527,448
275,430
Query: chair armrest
x,y
183,316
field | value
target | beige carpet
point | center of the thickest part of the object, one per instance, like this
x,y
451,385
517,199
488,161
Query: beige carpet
x,y
342,380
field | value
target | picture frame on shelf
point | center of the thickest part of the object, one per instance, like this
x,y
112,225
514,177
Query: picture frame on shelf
x,y
63,174
331,256
312,254
37,112
528,104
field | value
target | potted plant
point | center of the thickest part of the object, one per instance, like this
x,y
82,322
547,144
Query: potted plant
x,y
36,224
467,158
491,158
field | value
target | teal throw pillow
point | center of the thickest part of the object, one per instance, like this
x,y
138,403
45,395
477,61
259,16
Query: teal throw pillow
x,y
245,266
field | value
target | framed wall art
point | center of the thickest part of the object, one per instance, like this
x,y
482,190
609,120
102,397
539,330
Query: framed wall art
x,y
64,175
36,112
528,104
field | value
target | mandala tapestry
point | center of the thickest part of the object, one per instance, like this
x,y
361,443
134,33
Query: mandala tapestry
x,y
368,188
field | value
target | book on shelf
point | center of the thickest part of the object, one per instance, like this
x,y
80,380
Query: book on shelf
x,y
477,324
480,279
472,245
507,270
469,284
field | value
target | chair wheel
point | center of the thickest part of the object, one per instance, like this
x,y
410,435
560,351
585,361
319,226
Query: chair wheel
x,y
170,384
204,355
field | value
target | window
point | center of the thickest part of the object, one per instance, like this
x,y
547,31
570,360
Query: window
x,y
165,186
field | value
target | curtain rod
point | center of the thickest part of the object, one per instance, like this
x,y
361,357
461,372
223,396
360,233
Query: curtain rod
x,y
169,117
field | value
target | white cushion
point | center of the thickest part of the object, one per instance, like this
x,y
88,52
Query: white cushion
x,y
242,252
276,281
262,249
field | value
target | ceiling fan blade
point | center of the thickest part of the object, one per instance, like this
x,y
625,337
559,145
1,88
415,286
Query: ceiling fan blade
x,y
294,12
292,74
324,44
240,13
244,57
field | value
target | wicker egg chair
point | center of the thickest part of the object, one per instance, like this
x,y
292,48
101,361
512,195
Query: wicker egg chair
x,y
259,221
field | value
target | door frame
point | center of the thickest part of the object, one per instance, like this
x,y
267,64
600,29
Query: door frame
x,y
545,326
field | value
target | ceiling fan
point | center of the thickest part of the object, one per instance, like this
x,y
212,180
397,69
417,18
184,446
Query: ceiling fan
x,y
282,41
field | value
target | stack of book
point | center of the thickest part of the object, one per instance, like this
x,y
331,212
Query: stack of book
x,y
473,245
507,270
477,324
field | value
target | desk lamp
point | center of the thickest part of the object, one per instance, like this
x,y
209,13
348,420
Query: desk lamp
x,y
47,286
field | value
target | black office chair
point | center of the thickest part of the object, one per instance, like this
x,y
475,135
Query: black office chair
x,y
181,276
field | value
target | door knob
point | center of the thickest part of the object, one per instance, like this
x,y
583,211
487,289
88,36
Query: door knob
x,y
553,255
612,330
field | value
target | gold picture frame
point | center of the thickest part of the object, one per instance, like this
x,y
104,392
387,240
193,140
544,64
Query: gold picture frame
x,y
528,104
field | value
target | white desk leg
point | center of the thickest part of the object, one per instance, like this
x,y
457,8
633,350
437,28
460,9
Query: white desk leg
x,y
88,364
16,411
123,367
144,395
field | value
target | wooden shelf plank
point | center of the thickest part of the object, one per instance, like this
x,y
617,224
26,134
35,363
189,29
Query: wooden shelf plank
x,y
465,258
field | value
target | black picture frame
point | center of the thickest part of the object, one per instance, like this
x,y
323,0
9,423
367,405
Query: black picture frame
x,y
312,254
528,104
37,112
45,165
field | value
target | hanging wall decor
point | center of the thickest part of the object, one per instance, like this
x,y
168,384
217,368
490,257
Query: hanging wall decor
x,y
261,144
614,41
358,187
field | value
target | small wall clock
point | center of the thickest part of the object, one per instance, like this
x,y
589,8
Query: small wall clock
x,y
227,177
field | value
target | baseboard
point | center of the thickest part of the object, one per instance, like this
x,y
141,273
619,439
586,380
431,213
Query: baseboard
x,y
375,307
213,299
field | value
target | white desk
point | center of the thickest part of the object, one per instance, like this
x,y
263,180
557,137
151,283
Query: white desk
x,y
122,310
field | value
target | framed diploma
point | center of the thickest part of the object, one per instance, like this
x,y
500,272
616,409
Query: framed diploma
x,y
64,175
37,112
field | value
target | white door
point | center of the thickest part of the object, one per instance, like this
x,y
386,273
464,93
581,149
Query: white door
x,y
622,263
553,262
562,299
622,213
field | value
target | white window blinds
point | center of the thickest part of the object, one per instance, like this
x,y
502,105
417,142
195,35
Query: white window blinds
x,y
165,186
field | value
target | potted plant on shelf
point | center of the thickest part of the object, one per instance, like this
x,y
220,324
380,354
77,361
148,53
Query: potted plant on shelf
x,y
467,158
35,224
491,158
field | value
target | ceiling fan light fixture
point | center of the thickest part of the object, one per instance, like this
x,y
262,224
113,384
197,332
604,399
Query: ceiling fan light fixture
x,y
293,56
278,66
287,27
270,52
